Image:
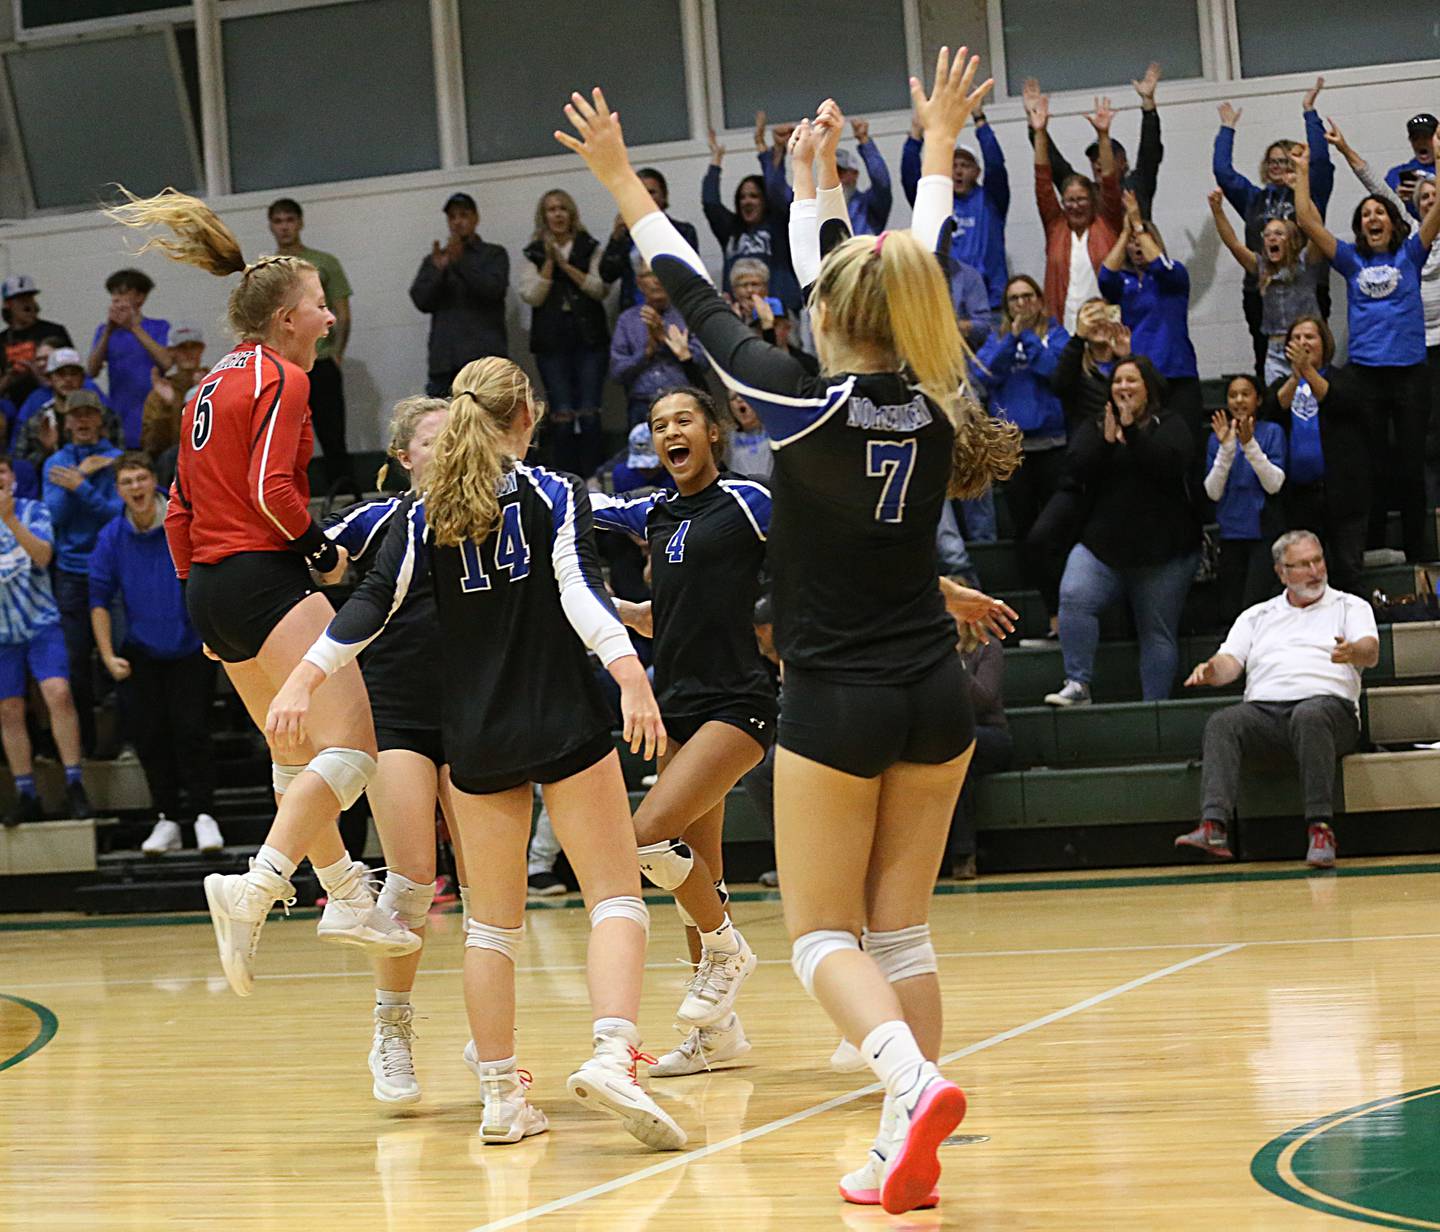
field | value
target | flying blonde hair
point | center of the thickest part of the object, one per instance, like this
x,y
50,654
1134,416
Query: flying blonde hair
x,y
461,497
888,292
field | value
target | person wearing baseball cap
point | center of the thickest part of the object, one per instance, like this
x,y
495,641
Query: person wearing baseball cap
x,y
1402,177
23,334
160,416
39,431
461,286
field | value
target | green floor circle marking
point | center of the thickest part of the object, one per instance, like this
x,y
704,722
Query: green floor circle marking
x,y
49,1024
1375,1163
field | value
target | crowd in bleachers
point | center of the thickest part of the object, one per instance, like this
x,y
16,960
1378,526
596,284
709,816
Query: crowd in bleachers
x,y
1131,487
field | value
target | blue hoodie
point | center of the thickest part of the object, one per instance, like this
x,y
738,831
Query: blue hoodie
x,y
1156,311
79,516
136,565
979,214
1016,369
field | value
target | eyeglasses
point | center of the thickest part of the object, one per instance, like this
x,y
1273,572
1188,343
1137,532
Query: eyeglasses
x,y
1313,562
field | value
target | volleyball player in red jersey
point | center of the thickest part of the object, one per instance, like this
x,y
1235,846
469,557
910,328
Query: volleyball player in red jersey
x,y
240,532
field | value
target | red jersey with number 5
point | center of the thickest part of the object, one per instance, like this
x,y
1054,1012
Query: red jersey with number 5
x,y
240,480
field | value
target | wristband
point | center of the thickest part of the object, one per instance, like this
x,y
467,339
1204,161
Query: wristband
x,y
320,552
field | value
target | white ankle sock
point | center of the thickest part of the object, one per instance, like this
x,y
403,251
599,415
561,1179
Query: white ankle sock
x,y
276,861
622,1027
892,1053
382,997
505,1065
335,874
724,940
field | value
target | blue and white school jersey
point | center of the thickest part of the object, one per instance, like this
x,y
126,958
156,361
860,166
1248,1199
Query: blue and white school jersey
x,y
707,552
26,602
518,611
1241,505
1383,304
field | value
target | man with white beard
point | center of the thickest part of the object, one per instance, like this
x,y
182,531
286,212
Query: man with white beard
x,y
1302,653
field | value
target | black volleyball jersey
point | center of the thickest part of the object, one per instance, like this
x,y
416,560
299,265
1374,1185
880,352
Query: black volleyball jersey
x,y
402,666
862,466
706,555
517,612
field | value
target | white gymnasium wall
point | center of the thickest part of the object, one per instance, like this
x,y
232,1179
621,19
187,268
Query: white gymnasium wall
x,y
382,229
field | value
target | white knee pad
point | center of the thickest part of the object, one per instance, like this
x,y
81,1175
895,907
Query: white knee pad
x,y
624,907
408,901
666,864
345,771
811,949
904,953
281,776
492,937
465,903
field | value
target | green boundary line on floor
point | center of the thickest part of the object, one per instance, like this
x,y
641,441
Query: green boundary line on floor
x,y
982,886
49,1024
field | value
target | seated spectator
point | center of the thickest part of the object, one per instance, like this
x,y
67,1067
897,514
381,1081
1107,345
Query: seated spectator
x,y
1403,178
1082,373
1154,297
1146,174
1387,344
1140,539
130,347
651,350
756,227
461,287
1246,466
1287,271
23,333
1327,451
619,260
994,746
1301,653
1015,366
169,680
39,434
980,207
169,391
569,334
1273,197
1082,226
32,645
750,453
79,487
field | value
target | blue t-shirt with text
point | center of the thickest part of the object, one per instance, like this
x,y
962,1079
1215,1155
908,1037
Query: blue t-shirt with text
x,y
1386,316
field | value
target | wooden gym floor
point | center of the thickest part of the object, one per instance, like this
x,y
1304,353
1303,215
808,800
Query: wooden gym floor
x,y
1245,1048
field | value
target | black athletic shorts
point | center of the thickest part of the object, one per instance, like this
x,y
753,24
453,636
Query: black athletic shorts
x,y
427,741
754,719
563,767
865,729
236,602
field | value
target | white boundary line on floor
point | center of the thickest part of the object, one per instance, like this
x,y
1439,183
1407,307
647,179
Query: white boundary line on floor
x,y
679,1161
679,966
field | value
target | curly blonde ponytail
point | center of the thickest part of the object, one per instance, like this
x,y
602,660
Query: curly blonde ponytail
x,y
461,500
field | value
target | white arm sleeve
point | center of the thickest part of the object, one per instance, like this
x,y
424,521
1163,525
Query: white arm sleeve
x,y
805,239
655,236
934,198
1271,477
1220,470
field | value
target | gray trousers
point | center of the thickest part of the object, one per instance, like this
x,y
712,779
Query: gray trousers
x,y
1313,733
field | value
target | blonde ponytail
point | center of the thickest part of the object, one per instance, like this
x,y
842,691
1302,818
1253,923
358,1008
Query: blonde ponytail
x,y
405,417
888,293
202,240
461,497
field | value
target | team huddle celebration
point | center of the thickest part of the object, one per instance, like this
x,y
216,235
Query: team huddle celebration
x,y
866,469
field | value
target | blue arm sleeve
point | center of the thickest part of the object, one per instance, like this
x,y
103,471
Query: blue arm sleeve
x,y
722,221
1237,189
102,570
362,526
1112,284
910,167
997,178
1322,166
629,515
1045,355
1172,275
754,499
880,197
777,190
997,357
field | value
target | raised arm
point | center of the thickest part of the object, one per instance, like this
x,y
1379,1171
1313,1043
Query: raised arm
x,y
1248,261
1037,112
881,197
1430,224
1306,213
1238,190
942,116
1322,169
723,223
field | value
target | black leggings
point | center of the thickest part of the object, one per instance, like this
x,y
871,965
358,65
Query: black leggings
x,y
1397,405
170,721
1027,492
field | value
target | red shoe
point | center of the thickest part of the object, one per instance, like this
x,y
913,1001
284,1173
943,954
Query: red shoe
x,y
912,1175
1209,837
862,1187
1322,846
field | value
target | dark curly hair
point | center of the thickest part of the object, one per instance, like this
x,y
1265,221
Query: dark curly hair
x,y
1399,226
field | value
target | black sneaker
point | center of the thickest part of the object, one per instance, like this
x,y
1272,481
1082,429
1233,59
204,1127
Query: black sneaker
x,y
77,802
25,808
545,885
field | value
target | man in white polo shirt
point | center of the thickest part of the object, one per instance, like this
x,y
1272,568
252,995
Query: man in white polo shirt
x,y
1302,653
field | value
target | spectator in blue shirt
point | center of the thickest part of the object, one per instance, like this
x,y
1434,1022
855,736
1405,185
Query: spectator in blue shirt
x,y
968,293
1245,463
869,210
980,208
1387,345
37,431
1273,197
1403,177
129,346
748,451
168,679
79,487
618,261
32,645
651,349
1154,297
757,227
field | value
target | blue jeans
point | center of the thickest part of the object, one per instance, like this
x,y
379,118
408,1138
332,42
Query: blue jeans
x,y
979,515
574,383
1157,597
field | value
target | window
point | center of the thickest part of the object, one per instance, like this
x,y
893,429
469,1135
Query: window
x,y
522,63
1301,36
953,24
333,93
1099,45
85,126
39,16
784,59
